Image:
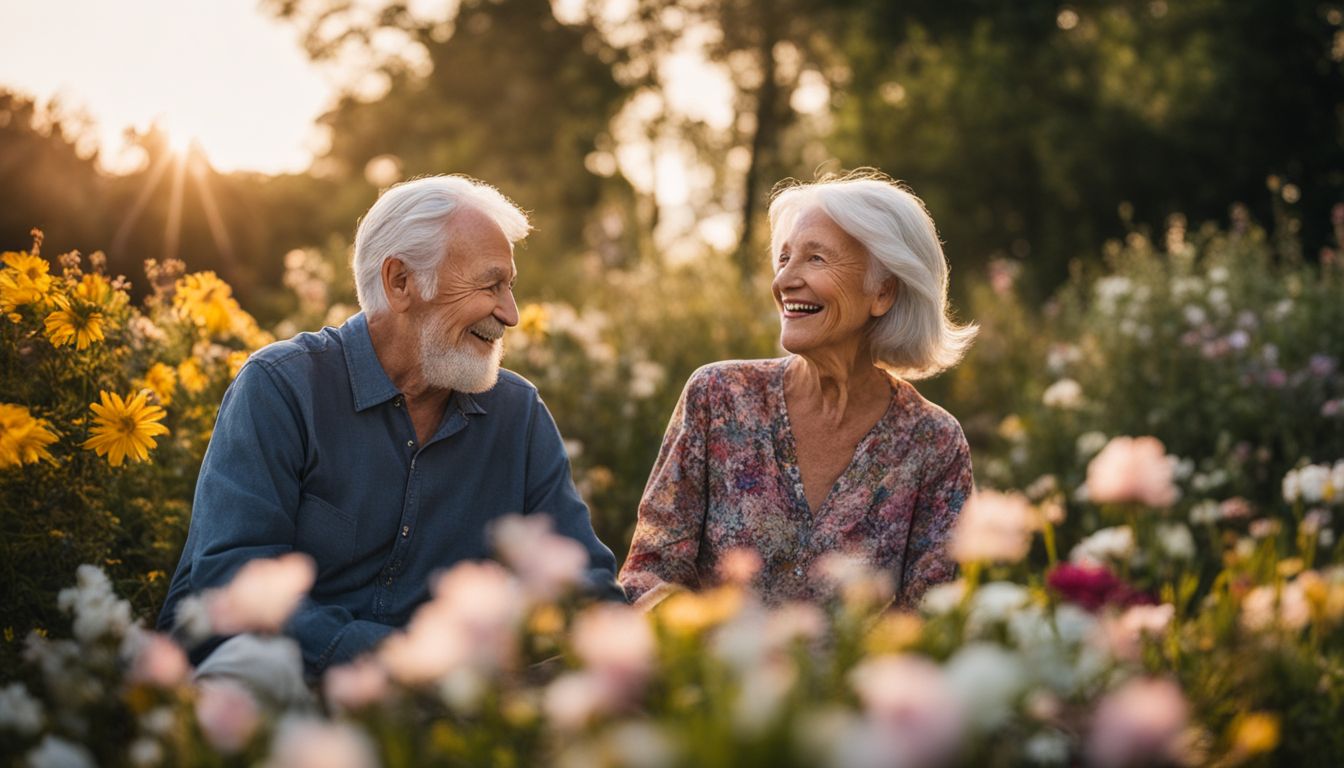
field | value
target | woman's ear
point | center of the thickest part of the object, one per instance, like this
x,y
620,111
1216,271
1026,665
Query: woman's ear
x,y
397,284
886,297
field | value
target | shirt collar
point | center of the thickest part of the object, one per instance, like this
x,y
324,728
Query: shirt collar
x,y
368,381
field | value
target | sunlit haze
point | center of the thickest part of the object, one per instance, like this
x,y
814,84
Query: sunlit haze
x,y
218,72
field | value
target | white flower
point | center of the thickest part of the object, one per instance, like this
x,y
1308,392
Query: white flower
x,y
1089,443
942,598
988,679
1312,481
144,753
645,378
573,699
304,742
1065,394
992,527
1139,724
1194,315
157,661
1176,541
1047,748
96,609
1204,513
639,745
761,695
993,603
1218,274
19,711
261,595
1121,635
55,752
1107,545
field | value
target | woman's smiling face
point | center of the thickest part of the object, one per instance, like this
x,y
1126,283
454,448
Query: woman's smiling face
x,y
820,285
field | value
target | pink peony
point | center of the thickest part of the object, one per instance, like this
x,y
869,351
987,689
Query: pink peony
x,y
615,642
1132,469
993,527
262,595
227,714
547,563
159,662
912,705
356,685
1141,723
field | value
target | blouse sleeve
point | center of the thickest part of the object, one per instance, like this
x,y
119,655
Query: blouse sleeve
x,y
940,499
666,543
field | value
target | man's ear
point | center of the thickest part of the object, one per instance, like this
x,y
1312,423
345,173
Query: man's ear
x,y
886,297
397,284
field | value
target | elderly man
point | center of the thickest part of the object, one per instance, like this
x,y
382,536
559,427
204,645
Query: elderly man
x,y
384,448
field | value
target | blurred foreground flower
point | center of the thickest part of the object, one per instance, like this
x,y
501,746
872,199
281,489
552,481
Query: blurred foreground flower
x,y
993,527
124,427
261,596
1131,469
1141,723
546,562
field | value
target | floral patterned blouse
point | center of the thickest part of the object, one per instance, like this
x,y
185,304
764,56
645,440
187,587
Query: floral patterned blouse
x,y
727,477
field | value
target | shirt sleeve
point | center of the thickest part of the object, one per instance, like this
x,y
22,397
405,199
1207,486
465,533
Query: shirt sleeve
x,y
940,500
245,507
666,544
550,490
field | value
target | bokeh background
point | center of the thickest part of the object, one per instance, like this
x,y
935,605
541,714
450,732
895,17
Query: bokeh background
x,y
1142,203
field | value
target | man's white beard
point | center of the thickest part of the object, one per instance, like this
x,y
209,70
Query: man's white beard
x,y
451,366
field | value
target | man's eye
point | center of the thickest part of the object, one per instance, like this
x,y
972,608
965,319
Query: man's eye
x,y
816,257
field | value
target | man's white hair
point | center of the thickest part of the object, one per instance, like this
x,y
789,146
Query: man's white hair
x,y
409,222
915,338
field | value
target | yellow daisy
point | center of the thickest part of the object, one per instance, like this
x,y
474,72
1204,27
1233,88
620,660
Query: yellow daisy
x,y
95,289
191,377
80,325
23,438
124,427
26,281
161,379
206,300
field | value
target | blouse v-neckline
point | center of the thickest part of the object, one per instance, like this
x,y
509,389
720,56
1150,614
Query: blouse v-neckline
x,y
787,446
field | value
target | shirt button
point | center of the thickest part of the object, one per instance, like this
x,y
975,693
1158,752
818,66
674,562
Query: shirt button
x,y
410,443
397,402
389,581
405,531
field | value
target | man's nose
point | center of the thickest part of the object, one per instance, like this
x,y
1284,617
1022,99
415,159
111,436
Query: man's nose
x,y
506,311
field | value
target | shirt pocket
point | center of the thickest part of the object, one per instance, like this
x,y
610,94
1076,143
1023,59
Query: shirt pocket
x,y
326,533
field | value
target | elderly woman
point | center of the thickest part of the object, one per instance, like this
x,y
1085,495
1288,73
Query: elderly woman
x,y
829,449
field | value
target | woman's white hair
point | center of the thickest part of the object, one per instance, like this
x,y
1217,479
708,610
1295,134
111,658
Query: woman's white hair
x,y
916,338
409,222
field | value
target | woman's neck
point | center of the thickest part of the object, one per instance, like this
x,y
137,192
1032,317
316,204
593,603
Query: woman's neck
x,y
835,385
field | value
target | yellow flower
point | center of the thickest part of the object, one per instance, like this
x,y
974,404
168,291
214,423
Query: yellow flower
x,y
124,427
207,301
78,325
162,381
1256,733
95,289
688,613
533,321
191,377
23,438
25,282
236,360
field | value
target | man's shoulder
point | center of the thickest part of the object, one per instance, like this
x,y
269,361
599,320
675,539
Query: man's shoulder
x,y
299,350
510,390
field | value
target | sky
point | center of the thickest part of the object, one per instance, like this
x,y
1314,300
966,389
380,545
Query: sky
x,y
216,71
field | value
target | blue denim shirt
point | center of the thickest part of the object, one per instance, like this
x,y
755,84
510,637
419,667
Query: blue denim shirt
x,y
314,451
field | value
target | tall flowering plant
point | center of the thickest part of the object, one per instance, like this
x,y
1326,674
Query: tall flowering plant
x,y
105,411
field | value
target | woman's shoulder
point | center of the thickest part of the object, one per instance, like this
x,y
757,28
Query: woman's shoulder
x,y
727,377
924,418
